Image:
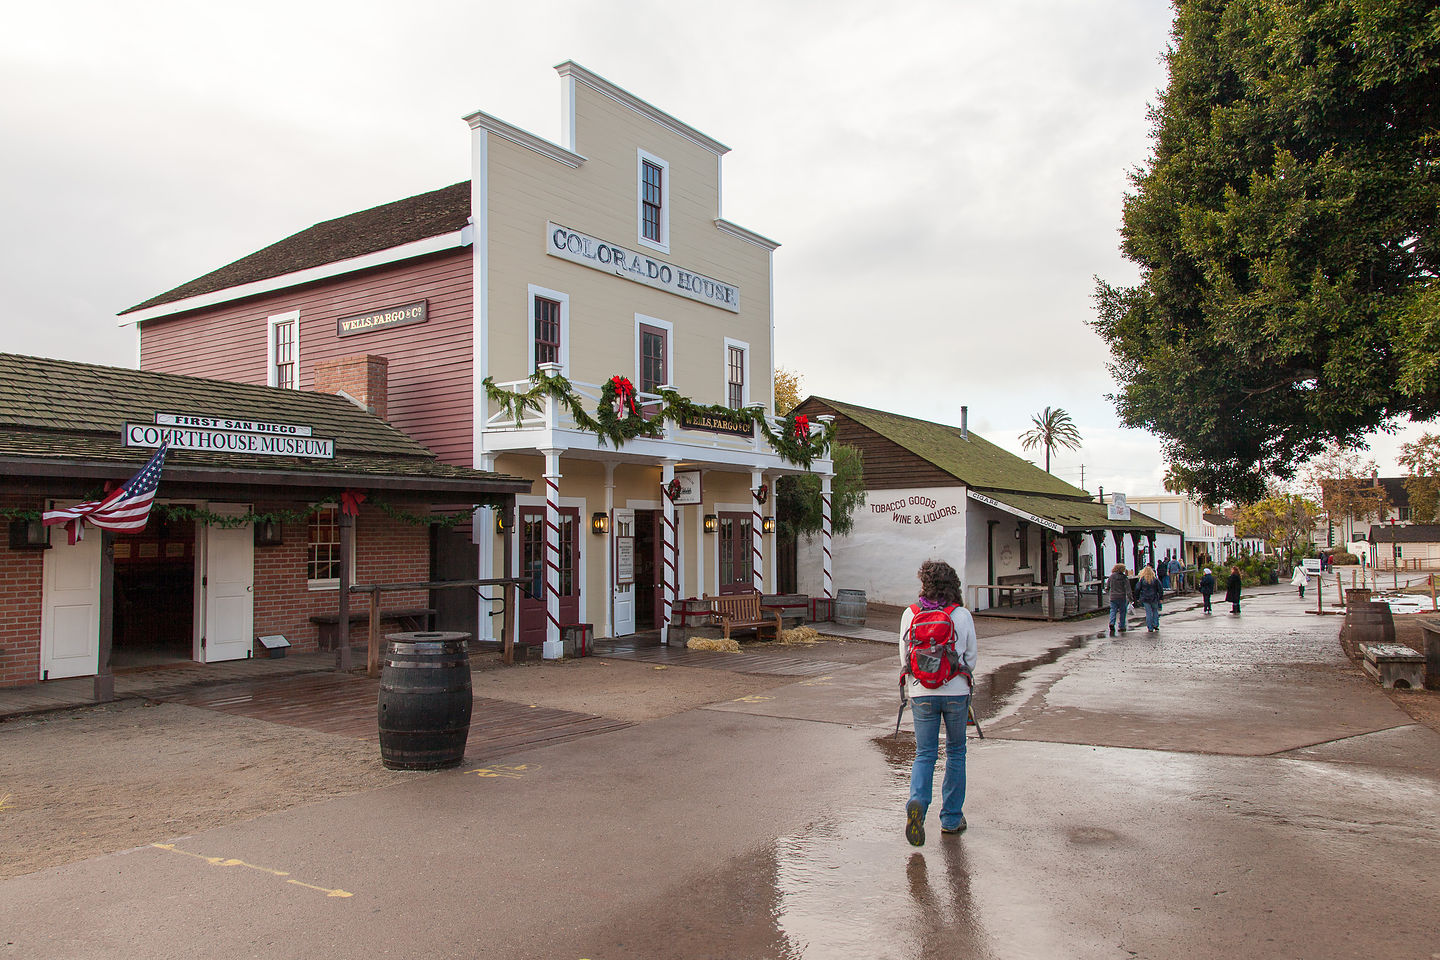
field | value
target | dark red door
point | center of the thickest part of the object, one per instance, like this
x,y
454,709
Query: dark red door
x,y
532,570
735,553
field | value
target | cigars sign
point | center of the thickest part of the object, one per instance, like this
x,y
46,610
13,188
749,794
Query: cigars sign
x,y
629,264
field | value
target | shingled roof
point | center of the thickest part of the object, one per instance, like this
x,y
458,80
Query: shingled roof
x,y
1405,533
415,218
59,415
991,470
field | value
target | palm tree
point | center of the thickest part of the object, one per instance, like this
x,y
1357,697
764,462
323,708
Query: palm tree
x,y
1053,428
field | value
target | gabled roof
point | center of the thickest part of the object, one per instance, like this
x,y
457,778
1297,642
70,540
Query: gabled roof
x,y
1219,519
415,218
993,472
1405,533
970,458
57,416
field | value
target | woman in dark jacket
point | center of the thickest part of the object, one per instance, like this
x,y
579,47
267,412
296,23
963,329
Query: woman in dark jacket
x,y
1150,591
1207,587
1232,590
1117,588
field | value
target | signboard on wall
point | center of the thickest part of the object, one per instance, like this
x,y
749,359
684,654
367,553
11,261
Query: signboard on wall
x,y
638,267
689,488
624,560
380,319
1118,509
234,437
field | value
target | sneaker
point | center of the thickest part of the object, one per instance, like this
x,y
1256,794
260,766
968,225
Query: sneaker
x,y
915,824
1112,631
958,828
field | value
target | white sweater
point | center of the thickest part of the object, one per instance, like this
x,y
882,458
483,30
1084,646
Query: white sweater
x,y
964,643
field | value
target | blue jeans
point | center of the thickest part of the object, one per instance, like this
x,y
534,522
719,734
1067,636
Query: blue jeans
x,y
927,713
1117,609
1152,616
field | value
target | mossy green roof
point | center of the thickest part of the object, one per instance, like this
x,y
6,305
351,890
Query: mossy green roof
x,y
986,468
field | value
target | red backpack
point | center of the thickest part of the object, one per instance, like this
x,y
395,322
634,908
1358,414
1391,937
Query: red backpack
x,y
930,654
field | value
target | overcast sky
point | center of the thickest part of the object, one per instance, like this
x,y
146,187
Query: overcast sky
x,y
945,178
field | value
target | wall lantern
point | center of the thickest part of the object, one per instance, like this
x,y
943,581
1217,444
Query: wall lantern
x,y
29,535
600,523
269,533
499,523
712,523
767,525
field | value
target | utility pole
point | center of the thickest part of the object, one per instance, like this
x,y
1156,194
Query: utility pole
x,y
1082,476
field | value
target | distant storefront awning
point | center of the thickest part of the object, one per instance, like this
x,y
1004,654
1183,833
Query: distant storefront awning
x,y
1065,515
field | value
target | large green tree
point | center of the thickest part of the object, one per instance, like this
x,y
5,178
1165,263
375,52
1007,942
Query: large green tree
x,y
1422,458
1286,230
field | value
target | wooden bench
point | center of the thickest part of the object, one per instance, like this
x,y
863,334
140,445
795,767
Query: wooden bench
x,y
1017,584
418,618
743,611
792,606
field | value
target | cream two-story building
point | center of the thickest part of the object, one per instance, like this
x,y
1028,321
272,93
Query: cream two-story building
x,y
560,266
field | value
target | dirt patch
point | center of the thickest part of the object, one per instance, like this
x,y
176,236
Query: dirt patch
x,y
79,783
1422,705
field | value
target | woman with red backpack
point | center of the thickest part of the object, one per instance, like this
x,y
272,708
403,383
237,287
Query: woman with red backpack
x,y
937,655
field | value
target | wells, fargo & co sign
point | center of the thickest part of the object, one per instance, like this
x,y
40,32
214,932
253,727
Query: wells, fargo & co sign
x,y
378,319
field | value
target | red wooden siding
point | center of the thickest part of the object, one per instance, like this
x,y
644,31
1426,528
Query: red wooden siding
x,y
430,363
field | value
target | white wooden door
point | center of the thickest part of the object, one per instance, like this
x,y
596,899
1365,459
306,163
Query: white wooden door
x,y
229,584
624,547
70,621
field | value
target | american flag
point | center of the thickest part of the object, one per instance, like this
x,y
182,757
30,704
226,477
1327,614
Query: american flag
x,y
127,508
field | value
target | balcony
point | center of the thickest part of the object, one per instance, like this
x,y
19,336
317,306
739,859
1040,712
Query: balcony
x,y
715,443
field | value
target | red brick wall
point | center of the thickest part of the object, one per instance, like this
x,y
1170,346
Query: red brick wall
x,y
363,377
387,551
20,590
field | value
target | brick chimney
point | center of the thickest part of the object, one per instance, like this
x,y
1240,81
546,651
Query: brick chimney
x,y
362,378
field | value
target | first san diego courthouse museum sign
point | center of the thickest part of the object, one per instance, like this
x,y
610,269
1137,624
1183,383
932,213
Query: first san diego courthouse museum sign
x,y
623,262
229,435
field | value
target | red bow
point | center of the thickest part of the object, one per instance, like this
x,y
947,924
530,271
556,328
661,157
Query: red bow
x,y
624,392
802,426
350,502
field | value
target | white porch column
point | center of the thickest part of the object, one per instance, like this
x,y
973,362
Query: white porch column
x,y
552,648
482,534
827,567
608,627
757,555
667,473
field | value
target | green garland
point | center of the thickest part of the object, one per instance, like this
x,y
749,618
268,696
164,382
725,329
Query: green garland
x,y
229,521
674,408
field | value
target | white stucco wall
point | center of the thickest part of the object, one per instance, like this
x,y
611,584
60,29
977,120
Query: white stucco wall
x,y
895,531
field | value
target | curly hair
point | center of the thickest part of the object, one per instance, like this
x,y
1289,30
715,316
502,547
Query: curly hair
x,y
939,583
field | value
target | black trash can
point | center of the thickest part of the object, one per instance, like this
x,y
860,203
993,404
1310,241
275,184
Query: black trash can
x,y
425,700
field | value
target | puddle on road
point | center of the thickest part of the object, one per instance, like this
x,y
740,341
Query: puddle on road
x,y
994,690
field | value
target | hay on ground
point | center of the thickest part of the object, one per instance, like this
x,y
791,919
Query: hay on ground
x,y
713,644
799,636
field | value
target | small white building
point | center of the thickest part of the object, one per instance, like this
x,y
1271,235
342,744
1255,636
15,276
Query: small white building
x,y
936,491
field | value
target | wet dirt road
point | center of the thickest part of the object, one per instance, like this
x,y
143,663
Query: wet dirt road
x,y
1227,787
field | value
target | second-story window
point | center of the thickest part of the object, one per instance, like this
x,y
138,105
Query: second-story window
x,y
283,351
547,331
652,199
735,377
653,372
650,202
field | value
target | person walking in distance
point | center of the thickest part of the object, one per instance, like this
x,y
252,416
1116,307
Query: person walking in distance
x,y
1117,588
1207,587
937,656
1150,592
1300,580
1232,590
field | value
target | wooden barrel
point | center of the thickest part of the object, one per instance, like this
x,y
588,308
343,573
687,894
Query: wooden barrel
x,y
1357,595
425,700
1370,622
850,607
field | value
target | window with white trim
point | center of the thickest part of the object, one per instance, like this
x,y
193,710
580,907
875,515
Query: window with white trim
x,y
283,351
652,189
737,373
322,548
549,328
654,358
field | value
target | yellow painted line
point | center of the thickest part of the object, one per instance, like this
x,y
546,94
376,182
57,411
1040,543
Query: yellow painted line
x,y
753,698
232,862
505,770
5,803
